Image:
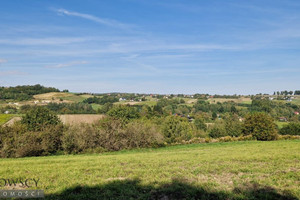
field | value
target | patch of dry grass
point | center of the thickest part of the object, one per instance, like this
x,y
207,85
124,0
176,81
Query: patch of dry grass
x,y
73,119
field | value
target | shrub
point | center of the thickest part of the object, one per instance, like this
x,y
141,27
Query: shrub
x,y
8,136
123,113
111,135
260,125
17,141
79,138
200,124
292,128
177,128
39,118
289,137
233,127
217,131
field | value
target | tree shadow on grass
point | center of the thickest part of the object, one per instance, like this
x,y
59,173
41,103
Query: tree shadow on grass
x,y
133,189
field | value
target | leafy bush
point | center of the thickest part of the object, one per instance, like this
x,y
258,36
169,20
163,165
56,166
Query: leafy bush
x,y
177,128
124,113
217,131
292,128
260,125
79,138
39,118
17,141
105,108
111,135
233,127
200,124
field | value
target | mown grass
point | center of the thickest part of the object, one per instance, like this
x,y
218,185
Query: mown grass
x,y
296,101
5,118
237,170
281,124
96,106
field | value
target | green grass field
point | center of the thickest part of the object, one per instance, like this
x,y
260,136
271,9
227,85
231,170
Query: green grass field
x,y
75,98
5,118
281,124
296,101
96,106
238,170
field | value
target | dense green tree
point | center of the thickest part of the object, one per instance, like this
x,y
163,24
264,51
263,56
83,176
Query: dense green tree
x,y
103,100
177,128
214,116
39,118
124,113
260,125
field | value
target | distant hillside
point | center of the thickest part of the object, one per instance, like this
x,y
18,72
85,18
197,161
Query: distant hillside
x,y
24,92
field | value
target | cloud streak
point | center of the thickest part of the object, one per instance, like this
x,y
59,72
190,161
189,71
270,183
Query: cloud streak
x,y
12,73
44,41
2,61
62,65
103,21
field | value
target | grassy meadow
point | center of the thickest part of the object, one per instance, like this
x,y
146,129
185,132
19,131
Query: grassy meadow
x,y
236,170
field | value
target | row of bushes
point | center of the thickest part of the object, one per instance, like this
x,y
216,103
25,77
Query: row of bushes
x,y
109,135
41,133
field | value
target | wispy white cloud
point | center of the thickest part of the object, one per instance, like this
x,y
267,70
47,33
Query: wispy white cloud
x,y
44,41
103,21
62,65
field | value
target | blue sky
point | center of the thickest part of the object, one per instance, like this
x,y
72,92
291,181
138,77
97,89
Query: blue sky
x,y
157,46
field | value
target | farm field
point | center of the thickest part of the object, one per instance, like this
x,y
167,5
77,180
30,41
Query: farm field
x,y
73,119
237,170
239,100
61,95
68,119
51,95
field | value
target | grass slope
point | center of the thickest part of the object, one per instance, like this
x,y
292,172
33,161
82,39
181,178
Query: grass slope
x,y
5,118
238,170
